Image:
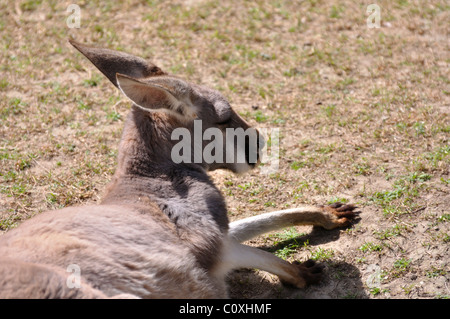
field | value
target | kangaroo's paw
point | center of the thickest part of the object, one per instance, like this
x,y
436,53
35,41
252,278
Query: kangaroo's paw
x,y
307,273
339,215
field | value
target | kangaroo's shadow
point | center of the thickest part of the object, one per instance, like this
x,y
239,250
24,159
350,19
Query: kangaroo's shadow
x,y
341,279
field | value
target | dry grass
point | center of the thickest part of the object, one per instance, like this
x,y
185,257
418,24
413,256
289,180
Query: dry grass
x,y
363,116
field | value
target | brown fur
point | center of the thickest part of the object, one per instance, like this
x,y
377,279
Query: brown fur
x,y
161,230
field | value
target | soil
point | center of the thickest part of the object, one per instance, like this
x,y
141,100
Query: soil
x,y
363,116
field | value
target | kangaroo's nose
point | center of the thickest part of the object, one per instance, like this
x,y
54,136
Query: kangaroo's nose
x,y
253,148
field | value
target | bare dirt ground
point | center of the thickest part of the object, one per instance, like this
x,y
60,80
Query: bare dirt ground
x,y
363,117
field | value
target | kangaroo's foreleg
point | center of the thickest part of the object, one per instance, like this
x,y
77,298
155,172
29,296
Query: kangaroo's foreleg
x,y
236,255
329,217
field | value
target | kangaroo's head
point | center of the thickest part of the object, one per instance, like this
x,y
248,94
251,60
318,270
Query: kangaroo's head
x,y
200,126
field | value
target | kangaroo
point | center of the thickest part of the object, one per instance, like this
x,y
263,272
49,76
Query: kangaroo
x,y
161,229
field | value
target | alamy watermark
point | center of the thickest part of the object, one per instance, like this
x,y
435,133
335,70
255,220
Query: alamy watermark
x,y
373,20
235,146
74,279
270,160
374,277
74,19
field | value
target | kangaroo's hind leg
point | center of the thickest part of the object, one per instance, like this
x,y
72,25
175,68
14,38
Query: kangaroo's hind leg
x,y
236,255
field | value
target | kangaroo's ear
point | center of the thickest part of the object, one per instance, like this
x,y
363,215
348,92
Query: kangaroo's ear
x,y
111,62
160,93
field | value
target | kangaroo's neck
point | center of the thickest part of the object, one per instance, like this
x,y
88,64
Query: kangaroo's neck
x,y
145,147
145,156
146,178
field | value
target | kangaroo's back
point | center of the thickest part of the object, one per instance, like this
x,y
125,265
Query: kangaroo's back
x,y
161,230
113,251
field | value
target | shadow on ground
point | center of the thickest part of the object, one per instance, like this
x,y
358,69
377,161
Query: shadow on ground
x,y
341,279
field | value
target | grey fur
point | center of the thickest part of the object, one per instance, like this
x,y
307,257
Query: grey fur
x,y
161,230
